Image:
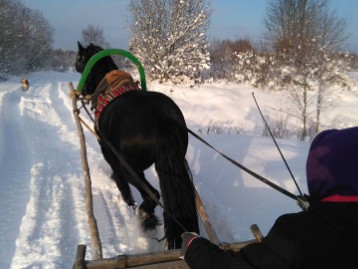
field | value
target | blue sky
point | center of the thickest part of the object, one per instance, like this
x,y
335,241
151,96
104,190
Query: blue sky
x,y
229,19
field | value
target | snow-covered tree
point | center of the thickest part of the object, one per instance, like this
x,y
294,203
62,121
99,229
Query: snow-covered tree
x,y
169,38
240,61
253,68
223,57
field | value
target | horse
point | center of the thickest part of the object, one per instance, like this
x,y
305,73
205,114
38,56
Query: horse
x,y
146,128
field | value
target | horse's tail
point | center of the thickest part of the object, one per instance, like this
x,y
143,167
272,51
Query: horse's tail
x,y
176,183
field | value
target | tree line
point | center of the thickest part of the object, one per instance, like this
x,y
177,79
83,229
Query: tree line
x,y
170,38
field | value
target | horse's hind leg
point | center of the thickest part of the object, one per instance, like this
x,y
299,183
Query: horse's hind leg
x,y
124,189
119,176
146,209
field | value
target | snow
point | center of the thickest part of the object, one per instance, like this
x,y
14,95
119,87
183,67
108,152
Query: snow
x,y
43,216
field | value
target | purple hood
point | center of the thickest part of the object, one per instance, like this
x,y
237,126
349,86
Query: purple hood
x,y
332,163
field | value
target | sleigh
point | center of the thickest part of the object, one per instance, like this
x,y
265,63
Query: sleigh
x,y
153,260
164,259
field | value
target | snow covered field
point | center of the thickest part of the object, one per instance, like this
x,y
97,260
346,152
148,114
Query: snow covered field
x,y
42,208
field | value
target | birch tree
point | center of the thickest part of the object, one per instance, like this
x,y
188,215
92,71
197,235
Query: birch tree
x,y
304,34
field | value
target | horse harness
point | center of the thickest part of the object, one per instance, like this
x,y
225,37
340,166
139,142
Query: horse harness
x,y
113,85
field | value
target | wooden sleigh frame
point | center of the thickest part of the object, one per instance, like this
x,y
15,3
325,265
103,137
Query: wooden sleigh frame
x,y
152,260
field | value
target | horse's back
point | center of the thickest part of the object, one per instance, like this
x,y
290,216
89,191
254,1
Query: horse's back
x,y
143,107
157,103
137,122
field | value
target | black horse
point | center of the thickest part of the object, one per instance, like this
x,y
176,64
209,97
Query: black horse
x,y
145,128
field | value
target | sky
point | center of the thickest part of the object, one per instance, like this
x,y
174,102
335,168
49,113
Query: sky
x,y
231,19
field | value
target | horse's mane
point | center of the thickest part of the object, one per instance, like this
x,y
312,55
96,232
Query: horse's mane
x,y
93,49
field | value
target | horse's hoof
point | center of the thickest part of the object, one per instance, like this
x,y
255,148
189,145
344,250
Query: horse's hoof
x,y
149,221
134,207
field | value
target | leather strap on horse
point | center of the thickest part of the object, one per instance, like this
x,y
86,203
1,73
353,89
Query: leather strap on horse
x,y
259,177
111,81
112,86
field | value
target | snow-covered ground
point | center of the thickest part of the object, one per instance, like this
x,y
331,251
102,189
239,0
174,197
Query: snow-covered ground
x,y
42,210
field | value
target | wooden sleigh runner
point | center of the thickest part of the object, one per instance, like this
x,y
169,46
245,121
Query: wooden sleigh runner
x,y
163,259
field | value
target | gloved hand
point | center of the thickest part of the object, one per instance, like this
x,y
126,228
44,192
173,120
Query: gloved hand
x,y
187,237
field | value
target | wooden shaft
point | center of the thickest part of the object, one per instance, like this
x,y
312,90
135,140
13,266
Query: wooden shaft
x,y
205,219
96,242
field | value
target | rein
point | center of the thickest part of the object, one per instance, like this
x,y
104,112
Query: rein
x,y
247,170
301,200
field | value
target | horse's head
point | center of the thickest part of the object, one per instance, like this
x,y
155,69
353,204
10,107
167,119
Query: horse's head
x,y
84,54
98,71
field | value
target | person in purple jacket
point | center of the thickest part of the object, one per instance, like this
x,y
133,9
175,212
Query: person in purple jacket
x,y
325,236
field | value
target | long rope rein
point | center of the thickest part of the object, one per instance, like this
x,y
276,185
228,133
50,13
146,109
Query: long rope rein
x,y
278,148
247,170
254,174
301,200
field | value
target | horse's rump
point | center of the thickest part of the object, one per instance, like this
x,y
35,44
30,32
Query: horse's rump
x,y
132,123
